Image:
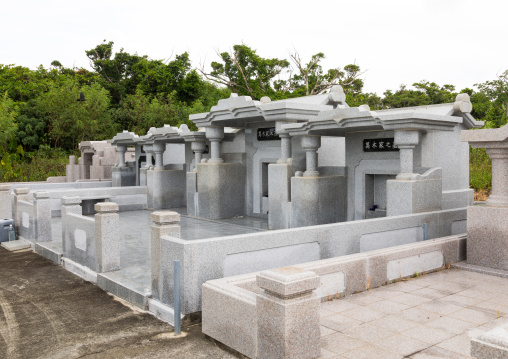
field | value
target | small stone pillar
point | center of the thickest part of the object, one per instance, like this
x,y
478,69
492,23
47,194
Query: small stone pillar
x,y
69,205
311,144
406,141
107,237
159,149
148,151
288,314
499,196
121,150
20,194
5,201
42,217
215,136
285,142
165,223
198,147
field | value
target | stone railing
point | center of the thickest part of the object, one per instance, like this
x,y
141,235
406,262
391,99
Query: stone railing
x,y
231,308
33,220
90,245
213,258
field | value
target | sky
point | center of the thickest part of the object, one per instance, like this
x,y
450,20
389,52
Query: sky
x,y
394,41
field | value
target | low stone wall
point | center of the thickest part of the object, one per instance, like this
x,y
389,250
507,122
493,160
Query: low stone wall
x,y
127,198
92,242
229,304
213,258
33,219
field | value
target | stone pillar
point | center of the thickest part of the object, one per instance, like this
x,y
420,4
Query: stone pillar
x,y
5,201
159,149
121,149
499,196
42,217
148,151
69,205
20,194
107,237
310,144
285,142
215,136
288,314
406,141
198,147
165,223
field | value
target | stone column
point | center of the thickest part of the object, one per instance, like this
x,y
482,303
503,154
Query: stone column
x,y
159,149
165,223
288,314
69,205
406,141
285,142
148,151
5,201
121,149
215,136
42,217
198,147
499,196
311,144
20,194
107,237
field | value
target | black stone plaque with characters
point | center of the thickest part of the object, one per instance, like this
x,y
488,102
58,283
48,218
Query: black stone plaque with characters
x,y
379,145
267,134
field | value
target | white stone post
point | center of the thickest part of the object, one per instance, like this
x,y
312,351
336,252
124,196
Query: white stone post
x,y
499,196
406,141
159,149
42,217
288,314
198,147
148,151
5,201
285,142
311,144
215,136
20,194
121,149
69,205
107,237
165,223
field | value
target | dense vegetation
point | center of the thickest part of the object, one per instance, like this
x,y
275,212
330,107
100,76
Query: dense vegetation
x,y
42,121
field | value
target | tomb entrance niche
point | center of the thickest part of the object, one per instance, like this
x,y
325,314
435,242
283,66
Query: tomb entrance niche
x,y
375,194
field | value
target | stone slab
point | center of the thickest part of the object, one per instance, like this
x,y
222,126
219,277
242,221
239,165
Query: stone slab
x,y
479,269
166,189
16,245
492,344
124,288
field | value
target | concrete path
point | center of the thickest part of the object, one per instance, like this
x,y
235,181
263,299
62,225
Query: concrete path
x,y
46,312
428,317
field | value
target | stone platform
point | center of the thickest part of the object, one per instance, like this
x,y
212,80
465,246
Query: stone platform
x,y
132,281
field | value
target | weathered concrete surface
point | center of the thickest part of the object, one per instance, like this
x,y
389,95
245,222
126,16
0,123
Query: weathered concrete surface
x,y
46,312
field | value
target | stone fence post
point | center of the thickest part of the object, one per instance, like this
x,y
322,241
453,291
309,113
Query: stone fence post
x,y
42,217
107,237
20,194
69,205
165,223
288,314
5,201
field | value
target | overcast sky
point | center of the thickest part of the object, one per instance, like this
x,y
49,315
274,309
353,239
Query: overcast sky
x,y
459,42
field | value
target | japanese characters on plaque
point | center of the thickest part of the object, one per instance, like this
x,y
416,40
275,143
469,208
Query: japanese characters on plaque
x,y
267,134
379,145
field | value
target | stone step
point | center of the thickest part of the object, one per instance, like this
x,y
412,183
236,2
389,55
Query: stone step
x,y
16,245
45,250
124,288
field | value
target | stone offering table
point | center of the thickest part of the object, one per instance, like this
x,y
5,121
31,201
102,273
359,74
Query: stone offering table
x,y
487,226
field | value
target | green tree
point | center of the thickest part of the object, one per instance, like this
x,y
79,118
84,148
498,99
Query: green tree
x,y
8,126
496,91
72,121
